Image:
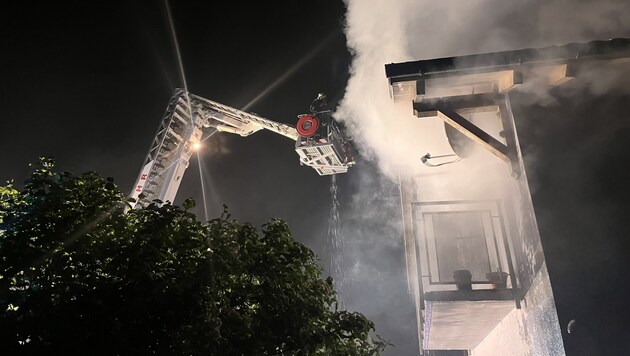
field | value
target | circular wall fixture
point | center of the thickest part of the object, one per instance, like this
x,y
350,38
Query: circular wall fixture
x,y
461,145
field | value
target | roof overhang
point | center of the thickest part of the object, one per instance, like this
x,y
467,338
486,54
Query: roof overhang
x,y
498,71
571,54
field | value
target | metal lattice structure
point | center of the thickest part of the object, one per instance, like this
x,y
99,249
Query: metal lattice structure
x,y
181,129
229,119
170,152
328,153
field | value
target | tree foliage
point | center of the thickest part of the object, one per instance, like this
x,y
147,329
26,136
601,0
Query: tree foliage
x,y
81,273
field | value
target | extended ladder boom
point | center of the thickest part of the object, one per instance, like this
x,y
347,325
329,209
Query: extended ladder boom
x,y
236,121
169,153
179,133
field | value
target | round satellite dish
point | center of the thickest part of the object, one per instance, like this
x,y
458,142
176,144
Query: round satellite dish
x,y
461,145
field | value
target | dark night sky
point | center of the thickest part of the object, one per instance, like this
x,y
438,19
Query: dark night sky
x,y
88,84
579,172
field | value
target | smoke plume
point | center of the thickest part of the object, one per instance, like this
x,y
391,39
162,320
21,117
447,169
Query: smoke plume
x,y
381,32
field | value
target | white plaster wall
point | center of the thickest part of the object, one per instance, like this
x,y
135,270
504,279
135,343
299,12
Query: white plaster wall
x,y
505,339
533,330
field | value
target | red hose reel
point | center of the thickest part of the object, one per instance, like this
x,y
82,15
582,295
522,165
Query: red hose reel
x,y
307,125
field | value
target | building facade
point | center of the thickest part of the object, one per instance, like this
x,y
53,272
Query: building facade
x,y
475,262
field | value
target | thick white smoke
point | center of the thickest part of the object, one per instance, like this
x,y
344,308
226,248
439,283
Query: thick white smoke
x,y
380,32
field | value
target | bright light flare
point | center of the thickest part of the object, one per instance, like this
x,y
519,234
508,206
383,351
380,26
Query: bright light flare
x,y
299,64
196,146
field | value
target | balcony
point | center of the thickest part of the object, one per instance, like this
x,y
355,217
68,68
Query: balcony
x,y
466,271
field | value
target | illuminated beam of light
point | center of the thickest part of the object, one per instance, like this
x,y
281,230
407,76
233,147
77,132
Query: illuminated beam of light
x,y
180,63
210,185
290,71
203,187
210,135
176,44
205,176
89,225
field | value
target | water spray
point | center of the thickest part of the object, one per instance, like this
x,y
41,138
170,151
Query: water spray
x,y
336,246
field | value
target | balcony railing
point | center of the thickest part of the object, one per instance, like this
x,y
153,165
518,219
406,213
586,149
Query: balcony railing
x,y
464,251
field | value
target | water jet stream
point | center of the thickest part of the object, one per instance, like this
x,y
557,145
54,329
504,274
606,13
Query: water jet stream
x,y
336,246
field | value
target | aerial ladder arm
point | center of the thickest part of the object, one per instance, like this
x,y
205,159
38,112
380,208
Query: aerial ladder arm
x,y
318,141
236,121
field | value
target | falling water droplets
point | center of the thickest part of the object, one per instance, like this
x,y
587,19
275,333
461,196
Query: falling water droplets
x,y
336,246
